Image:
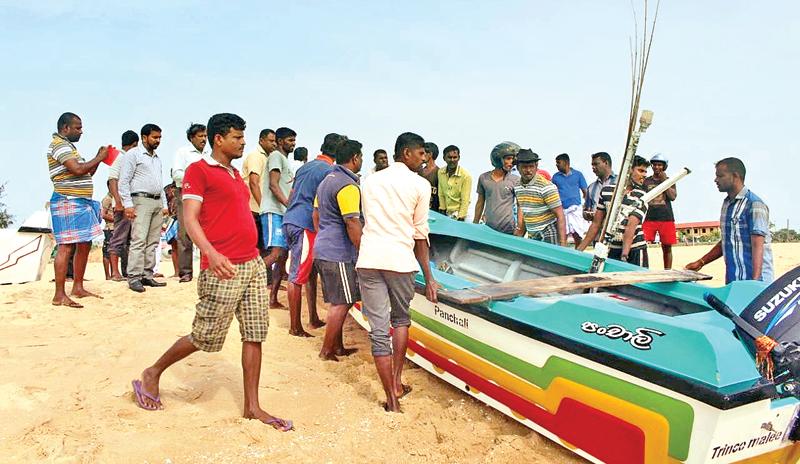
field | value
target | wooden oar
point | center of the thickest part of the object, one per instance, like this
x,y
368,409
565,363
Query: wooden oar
x,y
545,285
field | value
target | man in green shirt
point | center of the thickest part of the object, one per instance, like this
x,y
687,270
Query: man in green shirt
x,y
455,185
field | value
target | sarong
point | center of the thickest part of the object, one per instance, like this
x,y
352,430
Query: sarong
x,y
575,221
75,219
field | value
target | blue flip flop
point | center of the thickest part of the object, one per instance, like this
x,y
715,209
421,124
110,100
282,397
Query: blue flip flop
x,y
284,425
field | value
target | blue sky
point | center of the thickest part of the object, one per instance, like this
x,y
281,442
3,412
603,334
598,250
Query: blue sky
x,y
553,76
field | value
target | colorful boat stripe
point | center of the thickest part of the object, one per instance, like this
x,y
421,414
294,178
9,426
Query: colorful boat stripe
x,y
678,414
574,423
653,425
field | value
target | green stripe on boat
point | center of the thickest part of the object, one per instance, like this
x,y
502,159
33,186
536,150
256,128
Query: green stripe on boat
x,y
679,414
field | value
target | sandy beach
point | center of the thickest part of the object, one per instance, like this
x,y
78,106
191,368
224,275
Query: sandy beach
x,y
65,393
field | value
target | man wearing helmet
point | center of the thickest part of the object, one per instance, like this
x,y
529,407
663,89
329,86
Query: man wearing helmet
x,y
496,190
660,218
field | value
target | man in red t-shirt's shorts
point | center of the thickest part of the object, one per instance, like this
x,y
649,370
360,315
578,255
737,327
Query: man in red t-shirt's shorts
x,y
233,278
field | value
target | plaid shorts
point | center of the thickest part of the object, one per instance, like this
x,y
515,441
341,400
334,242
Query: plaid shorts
x,y
549,234
246,296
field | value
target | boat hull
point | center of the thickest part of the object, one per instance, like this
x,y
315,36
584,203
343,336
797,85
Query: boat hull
x,y
598,412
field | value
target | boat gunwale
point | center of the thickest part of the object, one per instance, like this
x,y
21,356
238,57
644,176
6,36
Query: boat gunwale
x,y
760,390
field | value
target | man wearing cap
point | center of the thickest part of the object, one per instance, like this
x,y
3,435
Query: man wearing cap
x,y
539,211
298,228
496,190
455,185
660,218
571,185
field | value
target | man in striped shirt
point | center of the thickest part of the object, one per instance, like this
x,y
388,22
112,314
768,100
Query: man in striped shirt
x,y
539,211
75,216
744,221
627,240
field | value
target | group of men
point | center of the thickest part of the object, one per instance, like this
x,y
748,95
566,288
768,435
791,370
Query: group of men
x,y
367,239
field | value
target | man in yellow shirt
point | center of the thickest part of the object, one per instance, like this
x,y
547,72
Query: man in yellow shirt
x,y
253,167
455,185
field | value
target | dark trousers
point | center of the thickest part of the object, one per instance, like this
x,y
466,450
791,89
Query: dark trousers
x,y
185,245
120,240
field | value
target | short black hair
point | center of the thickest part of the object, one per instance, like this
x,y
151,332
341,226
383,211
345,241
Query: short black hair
x,y
450,148
378,152
347,150
331,142
284,132
563,157
733,165
149,128
222,123
300,154
129,137
603,156
265,133
65,120
433,149
193,129
407,140
640,161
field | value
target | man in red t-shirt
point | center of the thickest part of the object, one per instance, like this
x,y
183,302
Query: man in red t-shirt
x,y
233,279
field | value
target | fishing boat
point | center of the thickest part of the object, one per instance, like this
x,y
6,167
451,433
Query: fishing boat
x,y
24,252
641,370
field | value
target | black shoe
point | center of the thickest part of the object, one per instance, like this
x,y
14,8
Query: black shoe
x,y
153,283
136,286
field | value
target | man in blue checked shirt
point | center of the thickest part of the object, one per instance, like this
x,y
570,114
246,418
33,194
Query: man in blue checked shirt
x,y
744,222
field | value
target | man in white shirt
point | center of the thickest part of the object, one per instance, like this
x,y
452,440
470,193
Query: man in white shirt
x,y
186,155
118,246
394,247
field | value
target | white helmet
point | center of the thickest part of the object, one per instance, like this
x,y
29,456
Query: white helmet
x,y
660,158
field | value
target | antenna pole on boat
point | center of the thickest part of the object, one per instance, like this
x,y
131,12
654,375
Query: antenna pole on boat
x,y
612,220
640,57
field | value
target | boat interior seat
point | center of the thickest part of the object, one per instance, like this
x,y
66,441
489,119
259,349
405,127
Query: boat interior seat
x,y
488,265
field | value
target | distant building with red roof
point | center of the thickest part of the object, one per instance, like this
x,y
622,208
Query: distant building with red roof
x,y
702,231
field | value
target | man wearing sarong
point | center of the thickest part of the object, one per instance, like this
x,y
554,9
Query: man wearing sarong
x,y
571,185
75,216
539,211
394,247
233,278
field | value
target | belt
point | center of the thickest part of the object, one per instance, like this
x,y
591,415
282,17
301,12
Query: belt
x,y
146,195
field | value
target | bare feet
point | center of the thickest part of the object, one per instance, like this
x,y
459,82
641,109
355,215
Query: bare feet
x,y
277,423
394,407
328,357
316,324
276,305
66,301
83,293
299,333
118,278
345,351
